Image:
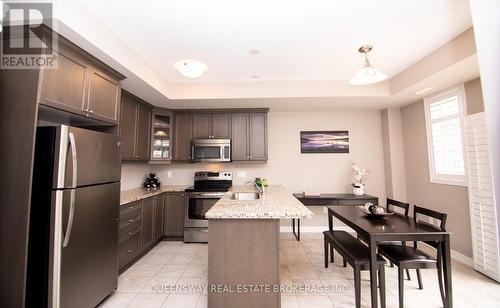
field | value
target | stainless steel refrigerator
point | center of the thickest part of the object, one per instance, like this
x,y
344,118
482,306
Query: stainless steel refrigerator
x,y
73,238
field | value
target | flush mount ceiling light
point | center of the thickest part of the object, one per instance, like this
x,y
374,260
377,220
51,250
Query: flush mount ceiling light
x,y
190,68
368,74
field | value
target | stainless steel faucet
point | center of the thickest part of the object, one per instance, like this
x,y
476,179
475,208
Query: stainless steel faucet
x,y
261,191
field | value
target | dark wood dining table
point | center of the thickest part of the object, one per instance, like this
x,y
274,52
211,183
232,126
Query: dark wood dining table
x,y
393,228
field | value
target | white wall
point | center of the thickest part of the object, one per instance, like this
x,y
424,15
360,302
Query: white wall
x,y
486,21
287,166
310,172
392,134
133,174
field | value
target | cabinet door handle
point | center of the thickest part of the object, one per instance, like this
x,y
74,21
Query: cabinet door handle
x,y
129,250
130,220
130,233
91,111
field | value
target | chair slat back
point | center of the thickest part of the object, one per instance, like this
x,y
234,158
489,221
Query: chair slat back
x,y
430,213
391,204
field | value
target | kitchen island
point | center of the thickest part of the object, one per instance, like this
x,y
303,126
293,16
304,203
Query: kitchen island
x,y
244,246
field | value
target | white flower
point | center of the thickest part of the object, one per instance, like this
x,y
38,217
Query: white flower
x,y
358,173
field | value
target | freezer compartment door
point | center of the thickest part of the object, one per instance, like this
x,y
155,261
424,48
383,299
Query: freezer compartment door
x,y
96,157
89,245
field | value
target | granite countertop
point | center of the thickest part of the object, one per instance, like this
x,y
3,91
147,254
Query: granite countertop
x,y
131,195
276,203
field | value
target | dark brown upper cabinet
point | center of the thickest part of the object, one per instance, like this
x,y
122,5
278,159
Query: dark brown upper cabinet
x,y
247,129
182,137
161,136
202,126
64,88
221,126
135,127
81,85
207,125
249,137
103,97
257,148
240,137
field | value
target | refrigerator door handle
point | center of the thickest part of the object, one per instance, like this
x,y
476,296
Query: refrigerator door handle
x,y
67,234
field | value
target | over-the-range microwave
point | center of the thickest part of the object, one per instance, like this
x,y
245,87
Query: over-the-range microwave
x,y
211,150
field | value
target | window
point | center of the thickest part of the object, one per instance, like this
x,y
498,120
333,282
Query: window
x,y
443,116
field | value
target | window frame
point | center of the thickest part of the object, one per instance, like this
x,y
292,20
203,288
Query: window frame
x,y
456,180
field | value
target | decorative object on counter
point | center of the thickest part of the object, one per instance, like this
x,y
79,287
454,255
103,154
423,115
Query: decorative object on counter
x,y
264,182
152,181
374,210
261,182
358,186
324,141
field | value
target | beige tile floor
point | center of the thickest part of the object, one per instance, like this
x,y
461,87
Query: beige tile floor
x,y
173,275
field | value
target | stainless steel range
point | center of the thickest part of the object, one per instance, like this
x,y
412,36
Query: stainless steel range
x,y
209,187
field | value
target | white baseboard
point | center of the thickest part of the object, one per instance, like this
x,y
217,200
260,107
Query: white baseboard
x,y
455,255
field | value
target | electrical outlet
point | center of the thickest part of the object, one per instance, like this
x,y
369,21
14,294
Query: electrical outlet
x,y
241,174
169,174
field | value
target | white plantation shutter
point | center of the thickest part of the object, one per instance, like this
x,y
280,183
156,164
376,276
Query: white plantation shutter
x,y
484,224
445,137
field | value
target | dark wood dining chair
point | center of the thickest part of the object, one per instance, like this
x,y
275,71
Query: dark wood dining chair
x,y
408,257
404,209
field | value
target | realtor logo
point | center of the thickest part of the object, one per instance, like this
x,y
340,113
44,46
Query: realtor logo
x,y
23,46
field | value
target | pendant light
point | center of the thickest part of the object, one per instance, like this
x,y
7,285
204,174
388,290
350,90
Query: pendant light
x,y
368,74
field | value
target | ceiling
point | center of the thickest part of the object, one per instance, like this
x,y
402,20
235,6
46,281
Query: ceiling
x,y
298,39
308,49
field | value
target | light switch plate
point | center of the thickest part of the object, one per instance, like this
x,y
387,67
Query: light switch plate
x,y
169,174
241,174
325,210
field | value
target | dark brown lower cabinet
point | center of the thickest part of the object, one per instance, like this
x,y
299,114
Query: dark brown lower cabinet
x,y
129,237
158,216
147,221
174,214
128,251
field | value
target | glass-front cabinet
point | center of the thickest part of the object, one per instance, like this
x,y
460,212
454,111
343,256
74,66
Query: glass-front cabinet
x,y
161,136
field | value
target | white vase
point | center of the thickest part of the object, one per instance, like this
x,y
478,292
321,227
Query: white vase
x,y
359,191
